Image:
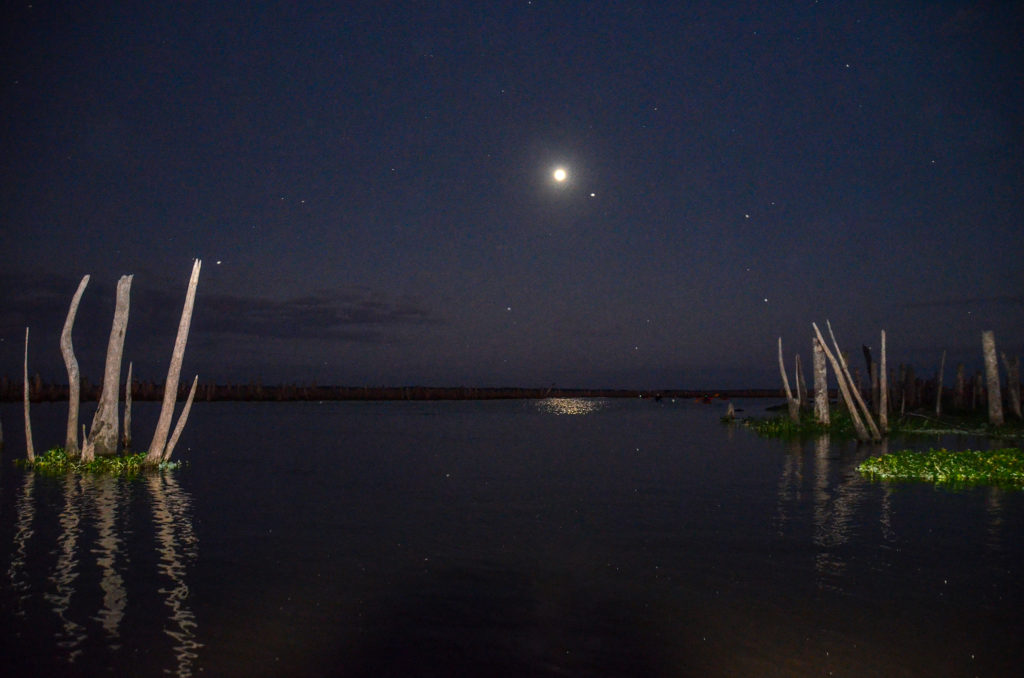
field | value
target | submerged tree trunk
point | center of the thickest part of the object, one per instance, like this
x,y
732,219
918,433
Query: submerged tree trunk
x,y
821,413
961,388
156,452
844,389
883,390
792,403
103,435
30,450
68,351
126,435
995,397
938,385
1013,383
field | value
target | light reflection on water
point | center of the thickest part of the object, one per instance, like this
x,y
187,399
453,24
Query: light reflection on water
x,y
641,538
570,405
87,560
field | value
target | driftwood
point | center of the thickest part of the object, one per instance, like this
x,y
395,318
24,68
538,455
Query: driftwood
x,y
68,351
103,435
30,450
821,412
1012,367
995,398
791,402
156,452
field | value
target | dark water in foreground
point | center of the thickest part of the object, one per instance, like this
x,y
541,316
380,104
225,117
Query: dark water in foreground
x,y
515,538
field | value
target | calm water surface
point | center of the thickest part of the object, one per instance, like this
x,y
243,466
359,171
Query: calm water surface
x,y
511,538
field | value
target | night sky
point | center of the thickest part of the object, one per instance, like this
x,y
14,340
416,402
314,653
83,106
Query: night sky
x,y
370,186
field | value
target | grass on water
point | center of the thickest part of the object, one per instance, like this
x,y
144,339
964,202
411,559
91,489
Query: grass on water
x,y
1003,467
57,462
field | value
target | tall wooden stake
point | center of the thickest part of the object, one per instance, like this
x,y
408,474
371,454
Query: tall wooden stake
x,y
68,351
163,426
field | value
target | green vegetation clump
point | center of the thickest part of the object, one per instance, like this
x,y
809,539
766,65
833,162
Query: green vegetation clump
x,y
57,462
1004,467
782,426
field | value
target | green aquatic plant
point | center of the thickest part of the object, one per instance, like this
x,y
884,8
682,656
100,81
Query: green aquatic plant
x,y
57,462
783,427
1004,467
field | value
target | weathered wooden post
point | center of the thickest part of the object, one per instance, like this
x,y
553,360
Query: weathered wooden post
x,y
821,413
792,403
68,351
1013,382
30,450
158,447
938,385
103,435
995,397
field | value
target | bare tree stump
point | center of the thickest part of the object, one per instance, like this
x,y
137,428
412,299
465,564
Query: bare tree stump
x,y
821,413
183,417
875,434
961,388
126,434
938,385
74,396
103,435
801,383
995,398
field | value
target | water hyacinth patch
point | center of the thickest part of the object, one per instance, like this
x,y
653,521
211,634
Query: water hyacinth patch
x,y
57,462
1003,467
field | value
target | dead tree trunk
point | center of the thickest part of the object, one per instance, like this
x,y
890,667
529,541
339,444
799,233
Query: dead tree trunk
x,y
103,435
180,426
157,447
883,390
844,389
995,397
801,383
30,450
938,385
126,435
821,413
792,403
961,388
875,435
68,350
1013,368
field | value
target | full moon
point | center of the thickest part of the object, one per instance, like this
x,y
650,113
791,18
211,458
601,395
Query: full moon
x,y
560,174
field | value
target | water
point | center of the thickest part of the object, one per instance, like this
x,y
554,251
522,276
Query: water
x,y
509,538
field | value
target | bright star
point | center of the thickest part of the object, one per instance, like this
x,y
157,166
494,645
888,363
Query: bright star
x,y
560,175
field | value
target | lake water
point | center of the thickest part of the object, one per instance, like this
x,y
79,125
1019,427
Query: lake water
x,y
504,538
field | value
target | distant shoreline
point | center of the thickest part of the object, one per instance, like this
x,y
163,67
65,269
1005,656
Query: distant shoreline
x,y
12,392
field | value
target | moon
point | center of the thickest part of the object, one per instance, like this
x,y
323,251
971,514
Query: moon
x,y
560,175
